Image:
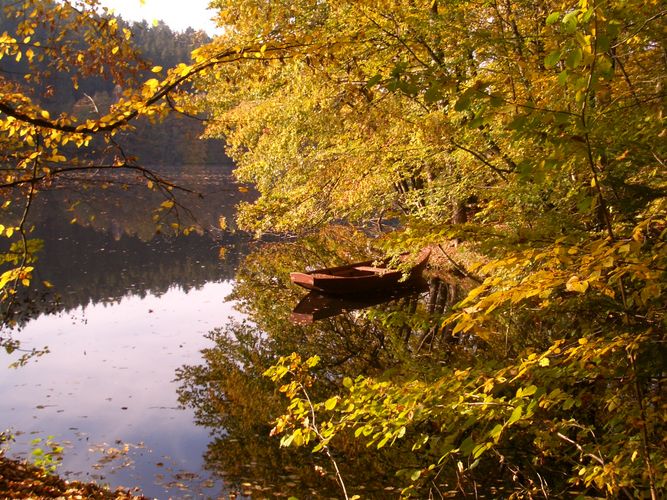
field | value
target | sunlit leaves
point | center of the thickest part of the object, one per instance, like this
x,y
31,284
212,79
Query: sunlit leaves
x,y
543,124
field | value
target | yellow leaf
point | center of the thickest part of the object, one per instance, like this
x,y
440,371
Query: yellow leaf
x,y
574,285
152,84
156,69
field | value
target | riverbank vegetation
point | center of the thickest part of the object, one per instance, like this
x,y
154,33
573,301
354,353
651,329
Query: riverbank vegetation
x,y
523,140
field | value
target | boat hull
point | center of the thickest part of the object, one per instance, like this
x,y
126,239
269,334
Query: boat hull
x,y
359,278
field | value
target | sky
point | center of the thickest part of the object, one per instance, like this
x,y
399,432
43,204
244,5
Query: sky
x,y
178,14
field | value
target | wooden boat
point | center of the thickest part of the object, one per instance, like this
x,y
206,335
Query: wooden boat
x,y
361,277
315,305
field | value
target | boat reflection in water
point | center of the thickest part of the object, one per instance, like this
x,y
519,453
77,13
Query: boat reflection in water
x,y
317,305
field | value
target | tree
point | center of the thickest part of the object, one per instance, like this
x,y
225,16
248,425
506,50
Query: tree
x,y
529,132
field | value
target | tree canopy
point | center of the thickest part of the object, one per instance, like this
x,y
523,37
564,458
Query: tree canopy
x,y
531,133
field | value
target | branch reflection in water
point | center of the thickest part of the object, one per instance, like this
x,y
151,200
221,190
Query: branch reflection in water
x,y
126,309
231,397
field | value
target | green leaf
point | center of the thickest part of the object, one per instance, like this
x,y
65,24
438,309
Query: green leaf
x,y
529,391
496,431
467,446
552,18
286,440
463,102
479,450
516,415
433,93
570,22
518,122
574,58
477,122
587,15
552,58
373,80
383,441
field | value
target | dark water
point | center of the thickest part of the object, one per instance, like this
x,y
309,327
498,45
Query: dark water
x,y
126,310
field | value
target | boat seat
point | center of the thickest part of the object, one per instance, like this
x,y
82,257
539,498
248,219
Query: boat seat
x,y
372,269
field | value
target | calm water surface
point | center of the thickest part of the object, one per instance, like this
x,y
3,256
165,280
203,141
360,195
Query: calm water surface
x,y
126,312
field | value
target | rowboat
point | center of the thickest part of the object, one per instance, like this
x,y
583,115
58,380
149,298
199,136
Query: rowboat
x,y
361,277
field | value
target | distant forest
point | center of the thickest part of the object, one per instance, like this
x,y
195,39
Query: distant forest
x,y
173,142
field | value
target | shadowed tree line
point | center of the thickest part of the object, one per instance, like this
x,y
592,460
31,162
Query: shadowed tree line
x,y
173,141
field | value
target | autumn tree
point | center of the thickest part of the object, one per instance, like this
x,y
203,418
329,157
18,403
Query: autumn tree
x,y
532,134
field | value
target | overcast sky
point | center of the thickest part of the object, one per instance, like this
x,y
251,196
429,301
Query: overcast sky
x,y
178,14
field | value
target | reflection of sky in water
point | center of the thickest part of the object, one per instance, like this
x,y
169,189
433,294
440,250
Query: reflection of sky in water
x,y
109,379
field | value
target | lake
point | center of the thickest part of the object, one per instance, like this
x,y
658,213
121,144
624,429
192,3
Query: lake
x,y
127,309
142,354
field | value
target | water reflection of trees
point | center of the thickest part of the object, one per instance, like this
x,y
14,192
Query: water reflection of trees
x,y
120,203
230,396
98,246
232,399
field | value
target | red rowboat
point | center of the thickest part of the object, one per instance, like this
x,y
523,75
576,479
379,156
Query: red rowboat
x,y
361,277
